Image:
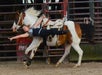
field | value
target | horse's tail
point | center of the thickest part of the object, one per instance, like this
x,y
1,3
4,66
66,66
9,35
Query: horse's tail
x,y
72,29
88,30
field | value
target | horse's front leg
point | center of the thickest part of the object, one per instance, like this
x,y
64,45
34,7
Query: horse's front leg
x,y
34,45
33,48
27,61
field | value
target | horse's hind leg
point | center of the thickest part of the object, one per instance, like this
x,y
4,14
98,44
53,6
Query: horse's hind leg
x,y
67,51
80,52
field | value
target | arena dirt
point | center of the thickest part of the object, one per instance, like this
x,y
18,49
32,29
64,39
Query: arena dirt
x,y
41,68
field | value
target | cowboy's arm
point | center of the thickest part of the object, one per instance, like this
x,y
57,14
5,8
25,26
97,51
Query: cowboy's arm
x,y
19,36
39,21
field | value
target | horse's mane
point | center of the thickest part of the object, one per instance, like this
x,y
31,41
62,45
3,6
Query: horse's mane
x,y
32,11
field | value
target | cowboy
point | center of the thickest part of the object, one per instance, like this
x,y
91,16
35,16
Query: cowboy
x,y
38,32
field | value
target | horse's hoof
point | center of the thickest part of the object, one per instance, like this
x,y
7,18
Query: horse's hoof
x,y
24,62
27,67
48,61
76,66
27,64
57,64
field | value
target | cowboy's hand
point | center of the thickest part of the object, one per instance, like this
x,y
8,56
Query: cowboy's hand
x,y
10,39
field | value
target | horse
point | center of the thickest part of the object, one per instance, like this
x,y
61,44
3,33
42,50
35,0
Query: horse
x,y
70,39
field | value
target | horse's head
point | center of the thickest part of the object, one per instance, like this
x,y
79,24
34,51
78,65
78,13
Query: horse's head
x,y
27,17
18,21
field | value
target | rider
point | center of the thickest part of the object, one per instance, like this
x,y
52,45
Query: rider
x,y
42,32
38,32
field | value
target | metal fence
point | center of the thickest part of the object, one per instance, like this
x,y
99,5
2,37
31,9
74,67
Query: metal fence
x,y
77,10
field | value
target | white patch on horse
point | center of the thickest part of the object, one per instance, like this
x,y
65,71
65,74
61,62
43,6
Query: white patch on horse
x,y
53,42
31,11
33,46
29,20
31,16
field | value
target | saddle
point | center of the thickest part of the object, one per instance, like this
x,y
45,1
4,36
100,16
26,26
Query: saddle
x,y
57,24
48,24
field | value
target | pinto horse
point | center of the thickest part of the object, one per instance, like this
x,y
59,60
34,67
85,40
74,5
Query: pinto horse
x,y
70,39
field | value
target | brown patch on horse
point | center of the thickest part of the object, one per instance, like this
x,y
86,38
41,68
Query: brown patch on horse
x,y
78,30
68,37
65,37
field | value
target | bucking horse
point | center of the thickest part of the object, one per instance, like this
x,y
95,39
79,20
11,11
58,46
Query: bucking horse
x,y
71,39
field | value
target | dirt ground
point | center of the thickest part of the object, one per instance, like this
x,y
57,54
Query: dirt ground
x,y
41,68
